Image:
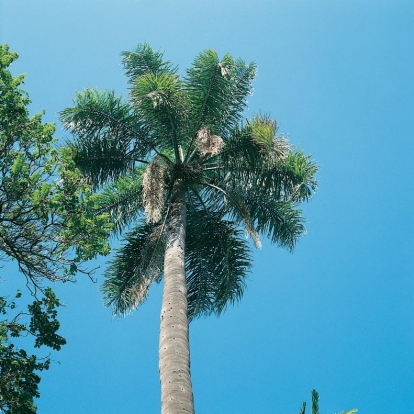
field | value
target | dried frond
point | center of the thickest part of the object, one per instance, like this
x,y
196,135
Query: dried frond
x,y
208,144
153,191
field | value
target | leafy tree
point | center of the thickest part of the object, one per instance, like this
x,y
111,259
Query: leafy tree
x,y
41,218
178,169
19,380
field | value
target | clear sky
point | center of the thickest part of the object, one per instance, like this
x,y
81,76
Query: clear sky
x,y
338,313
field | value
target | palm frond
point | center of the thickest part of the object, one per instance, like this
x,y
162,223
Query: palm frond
x,y
303,408
136,265
122,200
301,170
290,179
273,170
108,137
222,198
315,402
280,221
218,91
144,60
217,262
251,145
160,101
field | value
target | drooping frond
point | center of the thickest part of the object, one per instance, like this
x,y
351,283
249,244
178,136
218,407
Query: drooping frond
x,y
108,137
280,221
218,91
144,60
238,206
122,200
153,186
260,209
135,266
291,178
217,262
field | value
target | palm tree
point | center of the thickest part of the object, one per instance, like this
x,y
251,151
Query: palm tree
x,y
177,169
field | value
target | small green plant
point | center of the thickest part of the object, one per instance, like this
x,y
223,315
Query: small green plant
x,y
315,405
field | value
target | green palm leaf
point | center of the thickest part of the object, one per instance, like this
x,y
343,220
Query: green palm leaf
x,y
122,200
217,262
218,91
303,408
160,101
145,61
135,266
300,170
315,402
108,137
280,221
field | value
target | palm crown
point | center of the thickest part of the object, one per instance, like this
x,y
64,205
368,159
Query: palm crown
x,y
237,177
178,169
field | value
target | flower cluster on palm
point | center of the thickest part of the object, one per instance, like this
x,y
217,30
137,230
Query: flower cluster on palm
x,y
188,179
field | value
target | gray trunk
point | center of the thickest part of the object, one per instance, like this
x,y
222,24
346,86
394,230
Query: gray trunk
x,y
174,351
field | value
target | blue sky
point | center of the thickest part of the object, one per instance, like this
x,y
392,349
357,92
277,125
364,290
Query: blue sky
x,y
338,313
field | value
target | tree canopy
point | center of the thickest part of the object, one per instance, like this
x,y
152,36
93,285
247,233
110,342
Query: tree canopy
x,y
41,216
48,228
239,176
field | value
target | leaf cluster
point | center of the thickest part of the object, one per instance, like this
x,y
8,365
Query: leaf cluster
x,y
19,371
41,216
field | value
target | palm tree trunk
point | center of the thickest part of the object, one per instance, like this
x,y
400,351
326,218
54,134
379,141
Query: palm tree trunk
x,y
174,351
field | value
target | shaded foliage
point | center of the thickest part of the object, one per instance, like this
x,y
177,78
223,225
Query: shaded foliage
x,y
49,227
41,216
19,371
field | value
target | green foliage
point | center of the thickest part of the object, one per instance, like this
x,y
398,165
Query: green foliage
x,y
136,265
315,402
19,376
303,408
315,405
41,216
145,61
217,261
188,133
49,226
217,91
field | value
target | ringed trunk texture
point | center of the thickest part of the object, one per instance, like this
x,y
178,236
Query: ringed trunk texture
x,y
174,350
